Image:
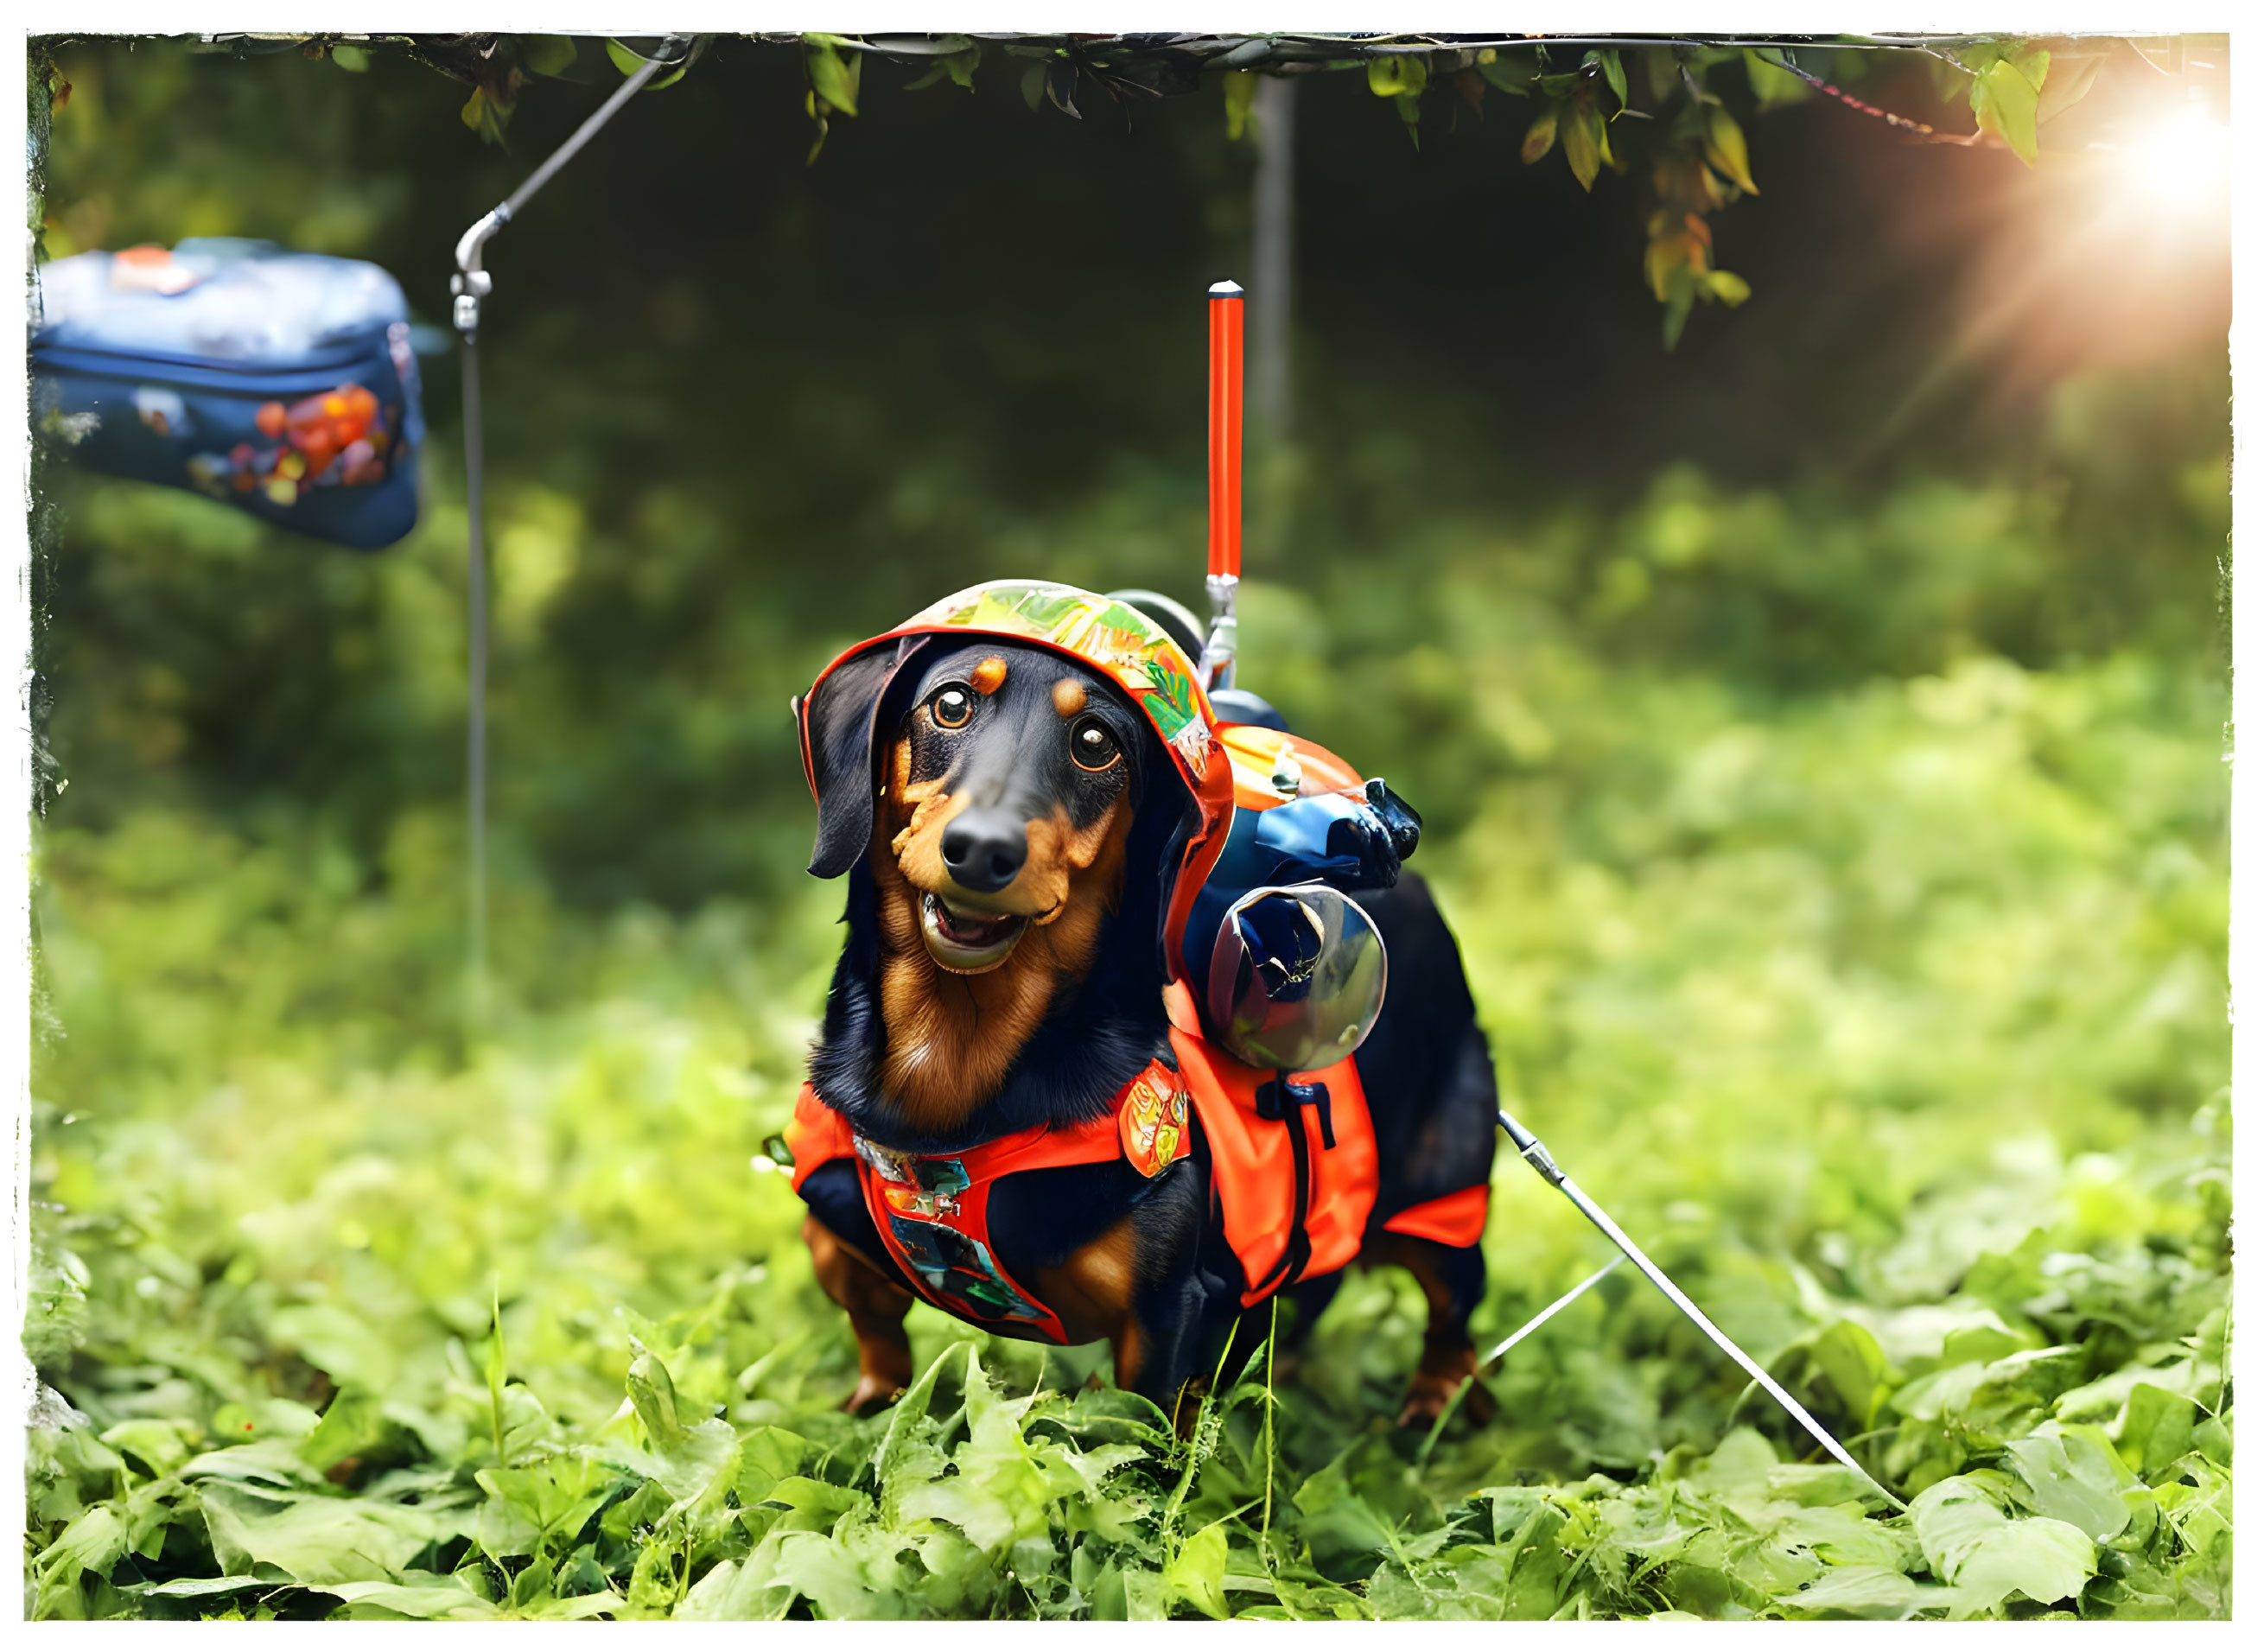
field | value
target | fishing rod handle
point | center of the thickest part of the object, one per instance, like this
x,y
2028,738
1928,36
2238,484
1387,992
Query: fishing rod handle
x,y
1225,430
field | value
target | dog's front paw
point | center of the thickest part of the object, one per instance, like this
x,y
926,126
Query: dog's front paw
x,y
1430,1391
871,1395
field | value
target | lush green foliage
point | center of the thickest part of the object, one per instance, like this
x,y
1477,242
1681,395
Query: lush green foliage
x,y
1841,867
1887,1010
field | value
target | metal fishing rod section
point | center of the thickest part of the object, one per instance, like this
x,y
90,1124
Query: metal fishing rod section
x,y
471,284
1532,1150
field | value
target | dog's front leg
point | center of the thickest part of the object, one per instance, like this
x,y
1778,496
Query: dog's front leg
x,y
877,1308
1452,1280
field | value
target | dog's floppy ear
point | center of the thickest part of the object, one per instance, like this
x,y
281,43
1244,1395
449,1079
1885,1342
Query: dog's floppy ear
x,y
838,731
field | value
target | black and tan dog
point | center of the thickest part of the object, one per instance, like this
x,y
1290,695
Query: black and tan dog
x,y
1012,824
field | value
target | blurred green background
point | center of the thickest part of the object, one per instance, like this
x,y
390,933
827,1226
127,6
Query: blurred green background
x,y
1820,730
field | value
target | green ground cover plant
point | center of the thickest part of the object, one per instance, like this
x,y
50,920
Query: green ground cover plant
x,y
1885,1007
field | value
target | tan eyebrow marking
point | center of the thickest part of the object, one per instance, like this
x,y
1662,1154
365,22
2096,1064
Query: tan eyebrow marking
x,y
1069,697
989,673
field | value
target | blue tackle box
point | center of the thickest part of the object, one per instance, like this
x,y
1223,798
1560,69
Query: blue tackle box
x,y
279,382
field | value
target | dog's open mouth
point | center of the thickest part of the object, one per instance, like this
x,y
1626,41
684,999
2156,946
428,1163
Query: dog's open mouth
x,y
966,942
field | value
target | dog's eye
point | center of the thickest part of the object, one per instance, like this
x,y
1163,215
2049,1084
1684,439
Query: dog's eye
x,y
951,707
1091,745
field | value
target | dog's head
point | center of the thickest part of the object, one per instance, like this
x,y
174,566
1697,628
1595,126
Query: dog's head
x,y
1029,773
1001,792
996,781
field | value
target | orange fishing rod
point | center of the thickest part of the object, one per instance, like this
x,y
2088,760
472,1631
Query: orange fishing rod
x,y
1225,566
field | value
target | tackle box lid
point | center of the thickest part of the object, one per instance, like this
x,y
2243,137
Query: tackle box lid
x,y
217,301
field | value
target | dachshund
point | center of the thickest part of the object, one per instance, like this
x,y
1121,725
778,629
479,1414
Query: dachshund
x,y
1009,825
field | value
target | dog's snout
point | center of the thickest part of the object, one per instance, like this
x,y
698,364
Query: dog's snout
x,y
984,848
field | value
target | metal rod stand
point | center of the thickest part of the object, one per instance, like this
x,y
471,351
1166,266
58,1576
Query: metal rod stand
x,y
470,285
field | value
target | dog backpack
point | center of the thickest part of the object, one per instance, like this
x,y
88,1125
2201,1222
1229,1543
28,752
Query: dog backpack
x,y
1292,1152
279,382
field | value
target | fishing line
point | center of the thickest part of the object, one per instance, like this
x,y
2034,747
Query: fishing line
x,y
1550,1312
1530,1149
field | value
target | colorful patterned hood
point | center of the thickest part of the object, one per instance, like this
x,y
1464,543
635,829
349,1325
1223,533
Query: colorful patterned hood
x,y
1123,645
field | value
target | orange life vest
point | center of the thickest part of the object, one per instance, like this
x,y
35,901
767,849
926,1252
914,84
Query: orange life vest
x,y
1292,1207
933,1210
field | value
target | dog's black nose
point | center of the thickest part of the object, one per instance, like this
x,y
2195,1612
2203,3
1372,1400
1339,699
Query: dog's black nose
x,y
984,848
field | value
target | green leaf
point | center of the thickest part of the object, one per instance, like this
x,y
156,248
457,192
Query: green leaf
x,y
158,1443
554,1499
910,1428
2005,97
652,1391
2073,1475
2157,1429
959,67
495,1366
1862,1591
1337,1524
1985,1343
1583,135
548,55
1540,137
94,1542
352,59
315,1539
2042,1559
1846,1354
1725,148
1197,1574
1411,113
271,1462
428,1602
1615,72
527,1426
767,1456
961,64
817,1505
628,62
1403,75
701,1465
339,1343
353,1423
1971,1546
195,1588
1733,290
1681,294
1033,86
1241,88
484,115
835,81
